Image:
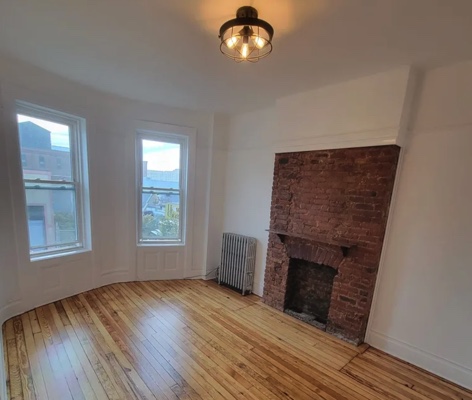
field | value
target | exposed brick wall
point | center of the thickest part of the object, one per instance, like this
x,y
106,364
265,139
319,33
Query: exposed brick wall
x,y
333,196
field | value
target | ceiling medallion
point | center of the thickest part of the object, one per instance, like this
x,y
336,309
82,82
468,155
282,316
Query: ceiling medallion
x,y
246,37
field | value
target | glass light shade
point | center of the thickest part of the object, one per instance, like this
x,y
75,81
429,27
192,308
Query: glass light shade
x,y
246,38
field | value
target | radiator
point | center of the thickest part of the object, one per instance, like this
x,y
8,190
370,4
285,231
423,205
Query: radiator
x,y
238,259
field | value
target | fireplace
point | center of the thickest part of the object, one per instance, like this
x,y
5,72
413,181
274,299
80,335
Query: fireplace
x,y
308,294
328,216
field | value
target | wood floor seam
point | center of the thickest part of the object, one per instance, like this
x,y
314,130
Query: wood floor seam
x,y
348,362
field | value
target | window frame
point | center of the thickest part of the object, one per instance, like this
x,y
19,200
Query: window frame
x,y
79,181
160,135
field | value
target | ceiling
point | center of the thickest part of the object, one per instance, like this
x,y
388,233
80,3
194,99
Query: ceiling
x,y
167,51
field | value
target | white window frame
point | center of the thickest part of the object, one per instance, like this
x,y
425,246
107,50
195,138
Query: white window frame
x,y
167,137
79,181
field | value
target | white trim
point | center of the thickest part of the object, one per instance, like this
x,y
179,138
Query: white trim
x,y
443,367
162,249
64,253
176,136
378,137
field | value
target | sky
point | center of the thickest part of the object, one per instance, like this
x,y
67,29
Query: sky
x,y
161,156
59,133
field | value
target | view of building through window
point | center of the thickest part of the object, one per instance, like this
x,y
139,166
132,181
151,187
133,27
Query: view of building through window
x,y
50,186
160,191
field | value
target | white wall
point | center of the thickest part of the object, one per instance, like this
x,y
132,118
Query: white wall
x,y
248,183
362,112
423,307
216,193
111,124
422,311
111,143
368,110
9,283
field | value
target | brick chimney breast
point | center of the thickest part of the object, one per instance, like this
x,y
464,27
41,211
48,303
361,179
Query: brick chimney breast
x,y
330,208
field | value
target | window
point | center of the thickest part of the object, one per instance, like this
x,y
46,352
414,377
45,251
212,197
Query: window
x,y
162,178
37,226
24,161
55,203
58,163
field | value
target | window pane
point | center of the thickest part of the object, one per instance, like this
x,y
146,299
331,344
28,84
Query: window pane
x,y
160,213
45,149
161,164
52,219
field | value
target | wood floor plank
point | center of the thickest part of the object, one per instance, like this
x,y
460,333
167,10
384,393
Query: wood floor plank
x,y
134,339
420,380
273,377
66,347
192,339
24,363
83,355
231,324
88,340
5,360
14,378
172,377
63,375
56,388
223,344
127,355
37,375
112,375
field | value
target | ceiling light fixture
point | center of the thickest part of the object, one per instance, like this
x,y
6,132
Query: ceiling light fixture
x,y
246,37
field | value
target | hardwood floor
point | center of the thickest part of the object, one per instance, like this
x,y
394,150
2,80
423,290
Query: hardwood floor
x,y
194,340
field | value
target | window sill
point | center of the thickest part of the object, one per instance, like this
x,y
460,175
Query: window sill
x,y
161,244
68,253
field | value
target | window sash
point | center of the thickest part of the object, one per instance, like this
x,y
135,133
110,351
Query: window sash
x,y
155,190
152,190
53,185
60,247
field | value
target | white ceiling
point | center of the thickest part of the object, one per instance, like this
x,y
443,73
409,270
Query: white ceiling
x,y
167,51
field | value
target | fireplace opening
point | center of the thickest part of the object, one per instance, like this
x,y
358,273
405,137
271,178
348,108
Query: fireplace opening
x,y
308,295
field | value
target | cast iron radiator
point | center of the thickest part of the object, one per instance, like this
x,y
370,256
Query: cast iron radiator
x,y
238,259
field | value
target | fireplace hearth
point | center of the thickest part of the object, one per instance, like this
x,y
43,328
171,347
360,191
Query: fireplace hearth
x,y
328,216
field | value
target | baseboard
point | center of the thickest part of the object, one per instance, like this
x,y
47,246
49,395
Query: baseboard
x,y
447,369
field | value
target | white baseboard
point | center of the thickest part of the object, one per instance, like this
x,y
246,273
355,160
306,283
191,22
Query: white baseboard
x,y
447,369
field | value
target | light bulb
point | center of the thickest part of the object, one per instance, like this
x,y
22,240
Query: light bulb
x,y
231,42
259,42
245,50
